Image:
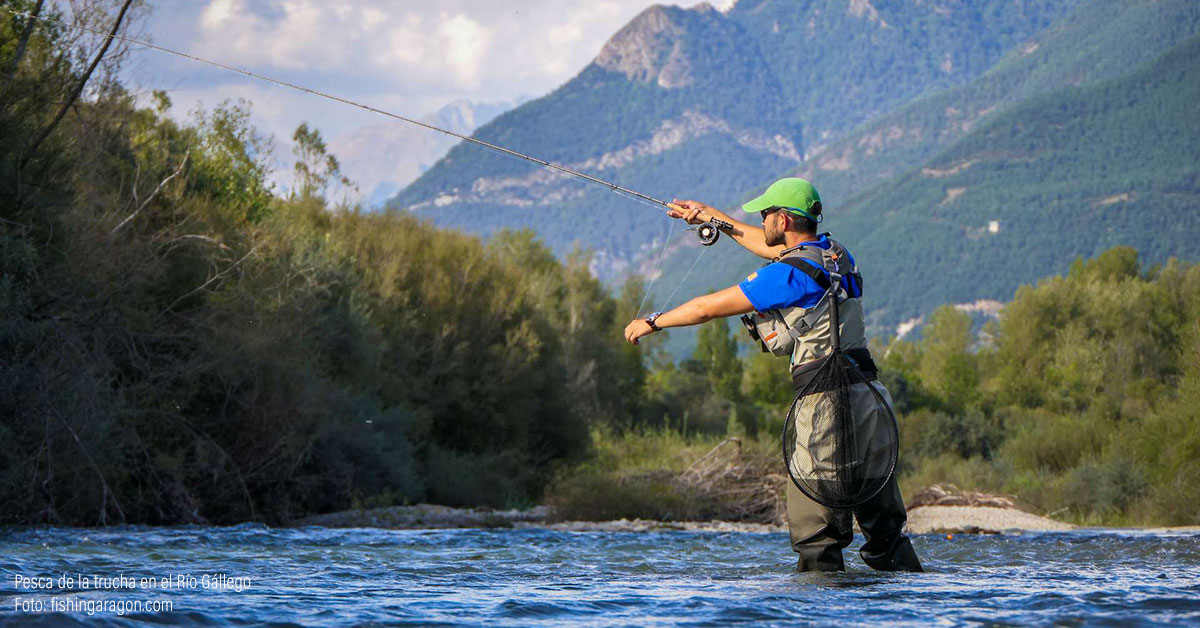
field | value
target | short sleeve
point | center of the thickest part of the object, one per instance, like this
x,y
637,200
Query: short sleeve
x,y
778,285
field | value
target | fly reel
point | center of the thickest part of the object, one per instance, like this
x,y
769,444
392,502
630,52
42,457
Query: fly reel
x,y
710,231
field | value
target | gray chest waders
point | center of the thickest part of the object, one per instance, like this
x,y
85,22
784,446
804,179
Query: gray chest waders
x,y
840,441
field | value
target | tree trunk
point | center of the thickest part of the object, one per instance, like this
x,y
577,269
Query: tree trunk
x,y
11,70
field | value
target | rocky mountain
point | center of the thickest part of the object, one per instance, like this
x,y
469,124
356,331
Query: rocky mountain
x,y
708,104
870,175
918,118
663,100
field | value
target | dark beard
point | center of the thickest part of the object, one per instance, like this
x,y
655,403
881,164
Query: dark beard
x,y
773,241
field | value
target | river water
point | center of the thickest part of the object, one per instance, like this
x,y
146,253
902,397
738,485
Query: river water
x,y
250,575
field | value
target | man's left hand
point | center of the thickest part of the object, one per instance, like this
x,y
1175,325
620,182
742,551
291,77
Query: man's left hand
x,y
636,329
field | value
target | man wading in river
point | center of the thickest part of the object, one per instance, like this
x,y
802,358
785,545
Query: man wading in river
x,y
790,210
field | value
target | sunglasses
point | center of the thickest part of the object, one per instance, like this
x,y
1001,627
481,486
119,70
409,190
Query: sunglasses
x,y
768,211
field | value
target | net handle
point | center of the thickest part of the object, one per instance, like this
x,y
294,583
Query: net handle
x,y
835,327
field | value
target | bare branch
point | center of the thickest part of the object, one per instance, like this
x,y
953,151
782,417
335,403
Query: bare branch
x,y
50,515
170,245
103,483
161,185
228,458
212,279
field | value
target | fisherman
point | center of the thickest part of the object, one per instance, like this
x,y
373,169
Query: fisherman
x,y
790,210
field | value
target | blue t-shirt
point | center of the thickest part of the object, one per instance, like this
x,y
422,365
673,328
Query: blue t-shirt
x,y
779,285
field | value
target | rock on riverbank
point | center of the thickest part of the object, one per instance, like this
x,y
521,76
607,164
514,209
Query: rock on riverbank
x,y
934,510
977,520
946,509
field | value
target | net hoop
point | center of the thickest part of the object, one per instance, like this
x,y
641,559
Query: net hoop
x,y
882,442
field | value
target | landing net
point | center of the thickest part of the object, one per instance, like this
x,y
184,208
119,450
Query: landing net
x,y
840,440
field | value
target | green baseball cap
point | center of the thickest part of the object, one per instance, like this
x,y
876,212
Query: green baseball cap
x,y
794,194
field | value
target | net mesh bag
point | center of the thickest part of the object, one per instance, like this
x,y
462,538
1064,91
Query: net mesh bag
x,y
840,440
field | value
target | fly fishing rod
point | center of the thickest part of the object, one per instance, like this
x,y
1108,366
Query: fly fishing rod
x,y
708,232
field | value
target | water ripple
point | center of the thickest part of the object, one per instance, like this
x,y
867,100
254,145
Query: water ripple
x,y
320,577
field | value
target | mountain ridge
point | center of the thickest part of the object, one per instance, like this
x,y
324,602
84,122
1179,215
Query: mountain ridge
x,y
670,68
1085,48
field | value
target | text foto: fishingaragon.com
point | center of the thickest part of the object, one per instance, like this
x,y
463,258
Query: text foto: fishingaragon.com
x,y
91,607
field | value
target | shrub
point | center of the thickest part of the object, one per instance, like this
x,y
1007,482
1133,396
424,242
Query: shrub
x,y
1098,491
1042,441
928,433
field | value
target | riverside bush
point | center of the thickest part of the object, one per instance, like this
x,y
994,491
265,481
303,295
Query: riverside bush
x,y
182,343
1086,397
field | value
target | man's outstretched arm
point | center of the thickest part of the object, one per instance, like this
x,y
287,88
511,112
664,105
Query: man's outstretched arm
x,y
728,302
748,235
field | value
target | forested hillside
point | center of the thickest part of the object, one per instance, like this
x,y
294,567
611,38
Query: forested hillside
x,y
1086,47
862,176
710,105
1072,173
844,63
178,344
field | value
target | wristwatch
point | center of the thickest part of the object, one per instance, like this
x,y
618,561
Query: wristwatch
x,y
650,321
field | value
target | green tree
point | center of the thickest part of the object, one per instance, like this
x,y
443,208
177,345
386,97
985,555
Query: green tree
x,y
315,166
948,368
716,351
765,379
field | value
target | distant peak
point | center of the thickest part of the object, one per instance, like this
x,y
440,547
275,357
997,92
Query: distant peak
x,y
651,48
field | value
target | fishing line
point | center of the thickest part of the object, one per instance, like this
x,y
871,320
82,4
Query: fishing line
x,y
703,250
500,149
654,277
624,192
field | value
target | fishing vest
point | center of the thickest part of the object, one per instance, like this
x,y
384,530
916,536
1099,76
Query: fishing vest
x,y
803,333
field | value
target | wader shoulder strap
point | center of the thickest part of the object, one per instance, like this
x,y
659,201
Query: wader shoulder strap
x,y
835,262
812,271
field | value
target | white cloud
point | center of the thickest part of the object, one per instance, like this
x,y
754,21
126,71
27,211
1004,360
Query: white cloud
x,y
466,42
407,56
478,48
216,13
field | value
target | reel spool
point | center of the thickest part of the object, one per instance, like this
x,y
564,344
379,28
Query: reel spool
x,y
710,231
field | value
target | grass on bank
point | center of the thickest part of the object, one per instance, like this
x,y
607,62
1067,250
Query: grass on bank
x,y
663,474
